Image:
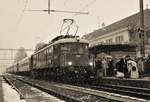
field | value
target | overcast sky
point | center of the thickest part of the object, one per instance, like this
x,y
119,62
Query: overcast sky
x,y
18,28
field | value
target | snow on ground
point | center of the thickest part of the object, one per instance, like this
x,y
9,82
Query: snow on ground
x,y
9,94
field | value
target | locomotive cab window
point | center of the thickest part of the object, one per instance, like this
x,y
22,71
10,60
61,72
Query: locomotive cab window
x,y
74,48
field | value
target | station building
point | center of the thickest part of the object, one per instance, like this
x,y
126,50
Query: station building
x,y
122,37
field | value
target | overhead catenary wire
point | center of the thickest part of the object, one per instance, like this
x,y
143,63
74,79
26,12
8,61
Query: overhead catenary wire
x,y
74,15
83,8
63,11
22,14
86,6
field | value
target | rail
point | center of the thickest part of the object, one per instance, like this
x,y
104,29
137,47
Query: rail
x,y
14,87
56,94
143,93
88,91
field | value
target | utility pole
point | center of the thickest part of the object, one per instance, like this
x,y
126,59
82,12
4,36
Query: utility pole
x,y
49,7
141,30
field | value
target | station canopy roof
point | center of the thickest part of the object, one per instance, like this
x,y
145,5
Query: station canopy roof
x,y
109,48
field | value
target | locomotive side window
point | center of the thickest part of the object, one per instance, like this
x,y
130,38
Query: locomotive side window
x,y
45,57
34,60
49,55
51,49
42,59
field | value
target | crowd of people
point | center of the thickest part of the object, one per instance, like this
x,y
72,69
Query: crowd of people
x,y
125,67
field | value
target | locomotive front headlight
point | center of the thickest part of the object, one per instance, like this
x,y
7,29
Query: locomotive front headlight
x,y
91,64
76,71
78,39
69,63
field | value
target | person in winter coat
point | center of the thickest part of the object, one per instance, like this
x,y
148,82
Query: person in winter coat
x,y
122,66
104,66
132,69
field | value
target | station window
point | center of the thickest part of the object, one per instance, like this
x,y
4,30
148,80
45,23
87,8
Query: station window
x,y
102,42
119,39
109,41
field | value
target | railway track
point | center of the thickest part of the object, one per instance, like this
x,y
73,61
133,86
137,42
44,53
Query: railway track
x,y
14,87
72,93
29,93
127,90
143,93
69,94
132,92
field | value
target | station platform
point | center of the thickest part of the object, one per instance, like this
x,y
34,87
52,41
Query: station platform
x,y
1,90
141,83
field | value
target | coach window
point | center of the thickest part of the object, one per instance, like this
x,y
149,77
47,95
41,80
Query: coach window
x,y
44,55
48,52
34,60
37,57
51,49
41,56
44,52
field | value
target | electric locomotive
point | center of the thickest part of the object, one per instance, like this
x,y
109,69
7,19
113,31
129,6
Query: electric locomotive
x,y
65,58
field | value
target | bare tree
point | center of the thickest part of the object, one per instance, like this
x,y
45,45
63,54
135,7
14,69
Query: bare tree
x,y
39,46
21,54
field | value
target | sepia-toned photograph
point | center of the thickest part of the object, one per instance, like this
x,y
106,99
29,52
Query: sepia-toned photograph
x,y
74,50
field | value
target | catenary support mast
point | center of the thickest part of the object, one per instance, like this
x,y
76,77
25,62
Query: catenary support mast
x,y
142,48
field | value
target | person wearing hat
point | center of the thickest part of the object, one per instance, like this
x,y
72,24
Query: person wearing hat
x,y
98,66
147,66
104,66
122,66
